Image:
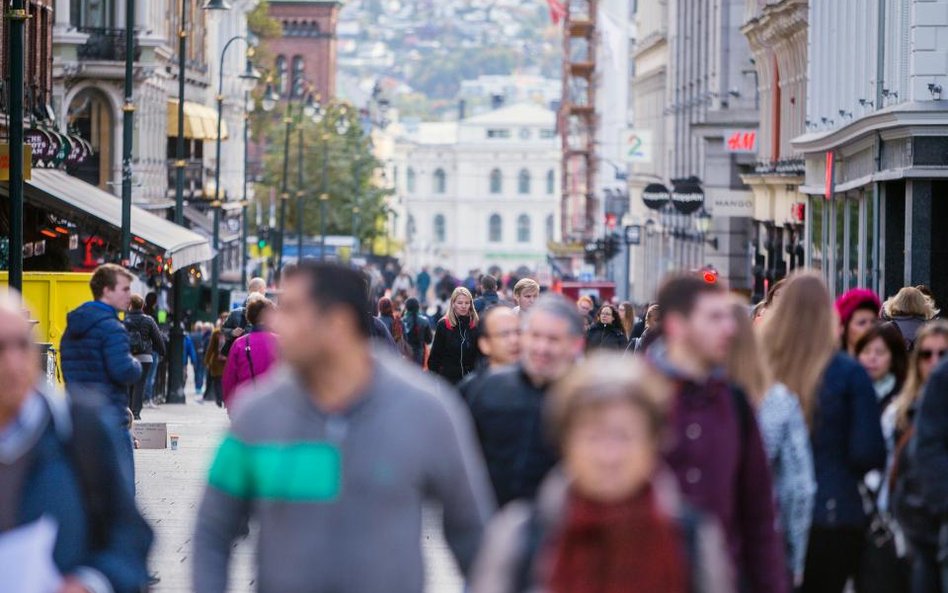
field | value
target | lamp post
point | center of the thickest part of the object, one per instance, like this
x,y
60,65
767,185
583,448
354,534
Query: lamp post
x,y
176,350
16,15
342,128
244,256
249,74
128,112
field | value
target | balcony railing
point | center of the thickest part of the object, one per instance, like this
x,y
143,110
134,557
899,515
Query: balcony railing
x,y
106,44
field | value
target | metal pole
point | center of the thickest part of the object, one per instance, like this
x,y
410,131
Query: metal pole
x,y
128,116
323,198
16,16
357,201
285,190
299,195
176,351
244,259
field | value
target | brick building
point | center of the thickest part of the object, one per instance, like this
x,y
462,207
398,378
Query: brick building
x,y
307,51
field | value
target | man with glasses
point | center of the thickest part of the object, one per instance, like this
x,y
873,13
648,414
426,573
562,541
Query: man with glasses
x,y
59,462
499,343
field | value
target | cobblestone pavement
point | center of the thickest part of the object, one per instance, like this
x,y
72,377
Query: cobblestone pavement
x,y
170,484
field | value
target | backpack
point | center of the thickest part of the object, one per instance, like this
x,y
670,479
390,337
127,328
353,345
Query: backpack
x,y
138,342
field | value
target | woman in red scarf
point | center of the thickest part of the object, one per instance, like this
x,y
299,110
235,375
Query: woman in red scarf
x,y
610,520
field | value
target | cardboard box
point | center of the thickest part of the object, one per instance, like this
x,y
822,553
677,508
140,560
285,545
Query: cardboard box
x,y
151,435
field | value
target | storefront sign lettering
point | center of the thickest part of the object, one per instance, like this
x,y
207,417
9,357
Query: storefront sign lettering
x,y
740,141
655,196
688,197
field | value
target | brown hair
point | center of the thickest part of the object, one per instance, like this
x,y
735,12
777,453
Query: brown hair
x,y
746,364
892,337
628,320
680,293
604,379
913,380
798,353
137,303
106,276
256,308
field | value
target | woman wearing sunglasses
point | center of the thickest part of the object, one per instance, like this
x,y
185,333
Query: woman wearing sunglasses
x,y
919,524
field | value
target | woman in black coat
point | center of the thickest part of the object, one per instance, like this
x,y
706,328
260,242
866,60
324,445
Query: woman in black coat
x,y
606,332
454,349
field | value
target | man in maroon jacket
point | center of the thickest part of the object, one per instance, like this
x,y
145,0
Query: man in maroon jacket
x,y
717,453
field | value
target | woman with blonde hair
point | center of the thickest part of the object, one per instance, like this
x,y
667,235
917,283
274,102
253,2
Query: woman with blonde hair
x,y
799,339
909,310
454,349
785,435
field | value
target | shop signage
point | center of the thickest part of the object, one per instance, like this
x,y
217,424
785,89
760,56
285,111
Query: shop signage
x,y
43,144
740,141
687,196
5,162
730,204
637,145
633,234
655,196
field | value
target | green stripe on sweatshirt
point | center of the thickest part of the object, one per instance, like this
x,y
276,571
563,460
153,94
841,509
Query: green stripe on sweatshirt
x,y
292,472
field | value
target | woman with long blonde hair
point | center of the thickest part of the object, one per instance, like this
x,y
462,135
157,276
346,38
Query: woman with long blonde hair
x,y
839,403
785,435
454,349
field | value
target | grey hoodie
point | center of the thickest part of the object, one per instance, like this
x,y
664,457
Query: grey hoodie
x,y
338,498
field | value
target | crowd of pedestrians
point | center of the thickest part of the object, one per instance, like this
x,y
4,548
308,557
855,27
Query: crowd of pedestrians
x,y
702,446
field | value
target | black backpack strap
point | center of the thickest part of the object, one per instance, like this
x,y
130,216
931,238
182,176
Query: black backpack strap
x,y
84,448
744,412
253,375
533,537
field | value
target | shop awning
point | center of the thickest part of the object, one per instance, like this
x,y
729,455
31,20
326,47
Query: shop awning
x,y
200,121
56,189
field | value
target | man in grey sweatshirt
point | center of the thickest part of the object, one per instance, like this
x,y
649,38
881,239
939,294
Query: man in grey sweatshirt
x,y
334,455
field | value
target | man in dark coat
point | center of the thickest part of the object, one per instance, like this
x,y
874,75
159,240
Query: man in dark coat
x,y
236,324
58,462
489,296
95,353
507,405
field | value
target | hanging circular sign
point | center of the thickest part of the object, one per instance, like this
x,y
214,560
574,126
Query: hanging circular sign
x,y
655,196
688,197
41,142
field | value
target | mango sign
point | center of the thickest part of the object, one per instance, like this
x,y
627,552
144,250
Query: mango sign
x,y
5,162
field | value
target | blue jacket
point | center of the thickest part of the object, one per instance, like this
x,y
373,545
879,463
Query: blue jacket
x,y
95,353
52,488
930,447
847,443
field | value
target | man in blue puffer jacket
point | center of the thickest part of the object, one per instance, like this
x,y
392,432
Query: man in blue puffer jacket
x,y
95,353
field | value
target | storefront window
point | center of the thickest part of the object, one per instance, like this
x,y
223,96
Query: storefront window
x,y
838,242
870,244
852,256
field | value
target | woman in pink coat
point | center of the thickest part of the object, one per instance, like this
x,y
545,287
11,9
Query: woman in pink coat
x,y
252,354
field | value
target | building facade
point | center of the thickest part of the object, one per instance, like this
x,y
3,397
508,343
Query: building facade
x,y
876,145
306,53
777,32
480,192
709,99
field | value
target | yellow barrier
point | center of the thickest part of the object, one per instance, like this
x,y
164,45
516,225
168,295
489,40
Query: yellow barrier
x,y
50,296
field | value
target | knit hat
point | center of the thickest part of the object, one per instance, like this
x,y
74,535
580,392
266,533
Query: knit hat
x,y
854,300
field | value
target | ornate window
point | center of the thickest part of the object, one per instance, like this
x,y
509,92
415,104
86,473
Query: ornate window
x,y
299,76
439,228
410,180
550,228
523,182
496,181
439,181
495,230
283,79
550,182
523,229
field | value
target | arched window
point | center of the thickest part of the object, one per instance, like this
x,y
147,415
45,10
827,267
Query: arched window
x,y
298,76
523,182
550,182
496,181
410,180
495,230
523,229
410,229
550,228
439,230
440,181
283,80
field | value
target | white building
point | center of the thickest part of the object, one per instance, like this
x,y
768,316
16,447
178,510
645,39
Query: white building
x,y
479,192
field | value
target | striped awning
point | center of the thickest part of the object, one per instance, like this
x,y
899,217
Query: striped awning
x,y
200,121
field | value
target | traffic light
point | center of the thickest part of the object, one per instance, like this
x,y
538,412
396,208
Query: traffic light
x,y
263,237
611,246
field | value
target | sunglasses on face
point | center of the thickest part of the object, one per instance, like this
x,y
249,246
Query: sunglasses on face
x,y
928,354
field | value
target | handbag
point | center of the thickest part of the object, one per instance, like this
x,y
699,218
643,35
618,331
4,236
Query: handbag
x,y
881,568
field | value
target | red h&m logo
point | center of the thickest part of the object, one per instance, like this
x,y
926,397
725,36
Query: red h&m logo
x,y
741,141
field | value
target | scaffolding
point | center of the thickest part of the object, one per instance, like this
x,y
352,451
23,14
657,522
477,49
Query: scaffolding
x,y
577,120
